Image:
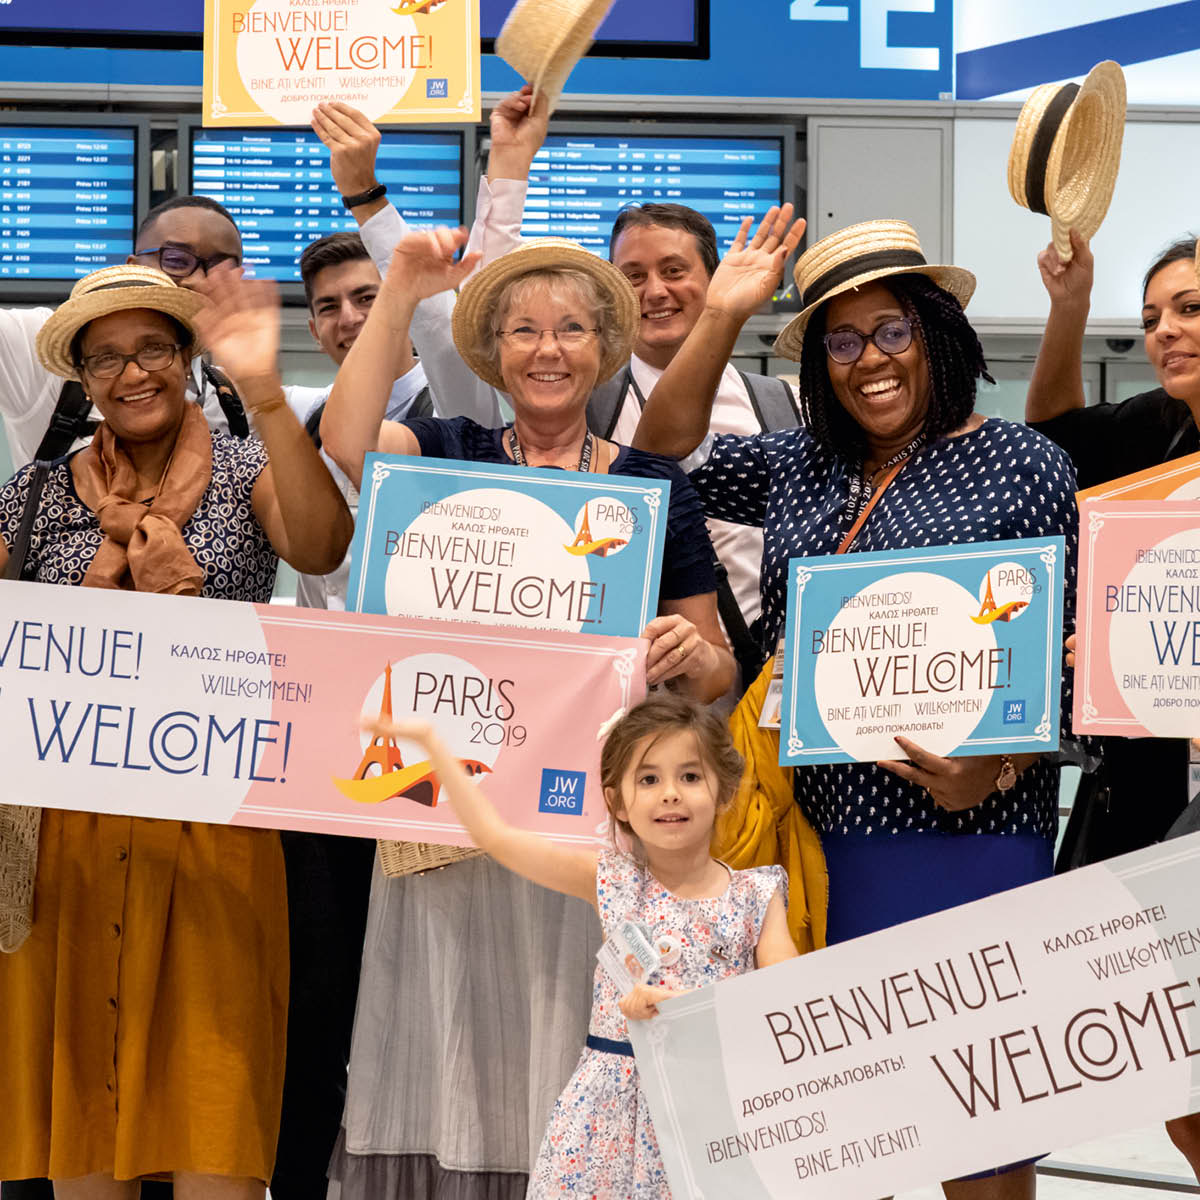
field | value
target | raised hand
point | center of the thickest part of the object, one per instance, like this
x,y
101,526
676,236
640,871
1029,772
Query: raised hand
x,y
423,264
240,328
353,142
1068,283
518,125
750,272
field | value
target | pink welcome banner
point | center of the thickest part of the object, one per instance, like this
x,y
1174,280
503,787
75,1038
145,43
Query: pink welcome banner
x,y
243,714
1137,667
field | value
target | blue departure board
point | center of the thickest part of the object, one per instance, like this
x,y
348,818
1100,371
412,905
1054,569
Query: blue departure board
x,y
67,199
581,181
277,186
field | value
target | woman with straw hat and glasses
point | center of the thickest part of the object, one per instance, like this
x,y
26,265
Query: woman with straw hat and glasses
x,y
143,1020
891,455
545,323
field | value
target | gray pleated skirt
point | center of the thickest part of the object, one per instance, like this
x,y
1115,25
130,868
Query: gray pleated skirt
x,y
472,1011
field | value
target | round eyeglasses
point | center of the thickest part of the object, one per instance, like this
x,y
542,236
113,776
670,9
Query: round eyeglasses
x,y
152,357
846,346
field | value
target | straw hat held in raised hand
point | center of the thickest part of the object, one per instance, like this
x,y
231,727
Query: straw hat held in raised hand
x,y
1066,152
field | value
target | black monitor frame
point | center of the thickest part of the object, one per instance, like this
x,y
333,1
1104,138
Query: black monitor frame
x,y
717,129
292,292
56,290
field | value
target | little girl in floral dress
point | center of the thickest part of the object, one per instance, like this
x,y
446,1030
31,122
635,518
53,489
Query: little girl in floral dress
x,y
667,768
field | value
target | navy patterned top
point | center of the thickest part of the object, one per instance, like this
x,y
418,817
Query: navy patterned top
x,y
223,534
998,481
687,568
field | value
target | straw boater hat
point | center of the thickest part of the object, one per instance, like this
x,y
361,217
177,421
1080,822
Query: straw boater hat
x,y
858,255
1066,151
476,306
110,290
542,40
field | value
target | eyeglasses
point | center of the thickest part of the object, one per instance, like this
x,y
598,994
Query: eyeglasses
x,y
525,337
152,357
179,262
846,346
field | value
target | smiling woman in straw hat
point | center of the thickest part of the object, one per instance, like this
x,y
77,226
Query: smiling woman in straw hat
x,y
545,323
893,455
1114,812
143,1019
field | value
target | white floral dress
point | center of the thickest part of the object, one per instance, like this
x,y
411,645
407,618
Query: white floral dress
x,y
600,1141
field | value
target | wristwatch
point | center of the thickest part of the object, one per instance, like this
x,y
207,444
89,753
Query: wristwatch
x,y
1006,777
372,193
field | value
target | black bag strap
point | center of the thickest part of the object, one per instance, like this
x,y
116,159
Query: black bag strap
x,y
773,402
605,402
19,554
69,422
746,652
228,398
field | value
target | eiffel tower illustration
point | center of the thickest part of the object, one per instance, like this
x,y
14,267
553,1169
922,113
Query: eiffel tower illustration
x,y
584,536
382,752
989,601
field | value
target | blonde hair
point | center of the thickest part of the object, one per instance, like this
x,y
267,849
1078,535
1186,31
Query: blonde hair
x,y
563,284
660,714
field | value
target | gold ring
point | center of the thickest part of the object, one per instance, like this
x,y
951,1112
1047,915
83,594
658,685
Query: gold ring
x,y
680,653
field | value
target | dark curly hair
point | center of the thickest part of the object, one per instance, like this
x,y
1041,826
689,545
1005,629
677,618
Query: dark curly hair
x,y
952,348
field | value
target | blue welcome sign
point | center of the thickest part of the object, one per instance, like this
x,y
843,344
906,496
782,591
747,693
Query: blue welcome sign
x,y
958,648
503,545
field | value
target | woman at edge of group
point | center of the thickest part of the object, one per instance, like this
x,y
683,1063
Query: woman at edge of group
x,y
1106,441
144,1017
543,323
889,366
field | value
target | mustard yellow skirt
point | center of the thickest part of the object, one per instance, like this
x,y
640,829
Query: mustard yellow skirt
x,y
142,1025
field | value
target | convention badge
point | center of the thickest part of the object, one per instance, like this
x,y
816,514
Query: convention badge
x,y
629,956
772,707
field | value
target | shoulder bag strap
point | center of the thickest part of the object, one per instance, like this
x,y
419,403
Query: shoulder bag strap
x,y
228,398
605,403
876,496
772,400
68,422
15,568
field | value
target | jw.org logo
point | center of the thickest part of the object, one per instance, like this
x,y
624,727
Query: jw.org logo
x,y
1014,712
436,89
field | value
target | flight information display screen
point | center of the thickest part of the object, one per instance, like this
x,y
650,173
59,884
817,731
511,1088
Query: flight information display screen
x,y
580,181
67,199
277,185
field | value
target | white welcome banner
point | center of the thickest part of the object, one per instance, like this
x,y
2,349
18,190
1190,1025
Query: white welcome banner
x,y
979,1036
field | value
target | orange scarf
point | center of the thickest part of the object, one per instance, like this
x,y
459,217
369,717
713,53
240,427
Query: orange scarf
x,y
143,549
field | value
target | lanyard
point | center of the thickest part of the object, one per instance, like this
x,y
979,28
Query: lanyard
x,y
514,444
863,498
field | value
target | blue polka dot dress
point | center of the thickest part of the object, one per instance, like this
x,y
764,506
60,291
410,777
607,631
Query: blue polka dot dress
x,y
998,481
600,1141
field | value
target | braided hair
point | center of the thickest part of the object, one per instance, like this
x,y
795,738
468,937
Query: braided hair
x,y
952,349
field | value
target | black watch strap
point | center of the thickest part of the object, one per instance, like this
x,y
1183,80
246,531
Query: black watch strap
x,y
372,193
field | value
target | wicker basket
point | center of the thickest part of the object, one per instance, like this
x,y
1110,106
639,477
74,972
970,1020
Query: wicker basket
x,y
19,830
411,858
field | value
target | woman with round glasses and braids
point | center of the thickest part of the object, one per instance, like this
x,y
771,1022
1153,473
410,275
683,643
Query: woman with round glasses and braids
x,y
888,372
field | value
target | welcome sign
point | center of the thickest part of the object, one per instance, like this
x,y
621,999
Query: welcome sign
x,y
270,62
1138,627
243,714
958,648
986,1034
506,545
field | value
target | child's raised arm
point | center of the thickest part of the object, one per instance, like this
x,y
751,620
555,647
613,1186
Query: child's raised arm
x,y
529,854
774,941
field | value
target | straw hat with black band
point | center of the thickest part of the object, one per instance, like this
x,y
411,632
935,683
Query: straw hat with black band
x,y
542,40
855,256
1066,152
110,290
475,312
